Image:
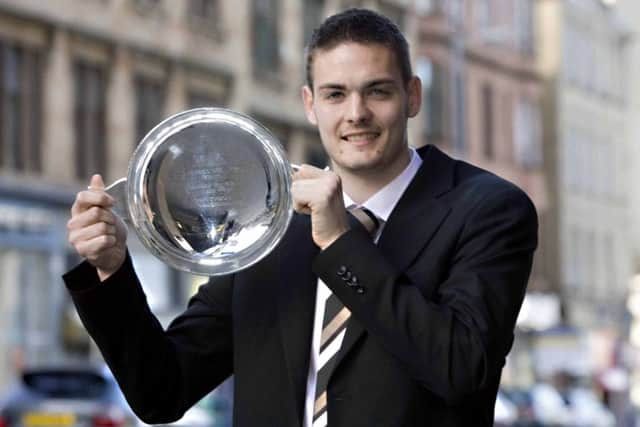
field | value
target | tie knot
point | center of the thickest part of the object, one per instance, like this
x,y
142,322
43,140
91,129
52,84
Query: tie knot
x,y
367,219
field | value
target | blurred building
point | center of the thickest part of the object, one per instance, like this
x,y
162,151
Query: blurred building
x,y
482,102
81,82
533,90
630,9
583,58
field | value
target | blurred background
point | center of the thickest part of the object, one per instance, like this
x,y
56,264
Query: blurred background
x,y
545,93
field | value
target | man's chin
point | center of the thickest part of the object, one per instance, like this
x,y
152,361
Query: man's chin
x,y
359,165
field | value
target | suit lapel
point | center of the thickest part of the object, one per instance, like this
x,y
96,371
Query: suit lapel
x,y
296,302
419,211
412,223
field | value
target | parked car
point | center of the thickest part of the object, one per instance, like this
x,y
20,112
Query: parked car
x,y
505,412
549,406
523,401
79,396
588,410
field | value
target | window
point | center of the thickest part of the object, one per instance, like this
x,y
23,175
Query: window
x,y
619,71
150,97
524,25
312,17
205,16
20,108
394,13
199,99
527,134
27,319
588,176
581,160
429,7
610,263
609,169
434,85
483,14
348,4
208,9
570,161
573,255
456,12
569,54
279,129
316,154
89,118
590,266
459,143
266,57
487,120
589,62
146,7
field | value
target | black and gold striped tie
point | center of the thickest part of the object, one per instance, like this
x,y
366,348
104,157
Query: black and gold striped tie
x,y
334,323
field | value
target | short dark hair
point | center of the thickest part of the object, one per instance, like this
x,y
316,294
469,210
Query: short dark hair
x,y
360,26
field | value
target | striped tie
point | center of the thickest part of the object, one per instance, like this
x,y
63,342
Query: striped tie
x,y
334,325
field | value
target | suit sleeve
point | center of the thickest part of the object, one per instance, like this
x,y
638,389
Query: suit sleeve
x,y
162,373
456,342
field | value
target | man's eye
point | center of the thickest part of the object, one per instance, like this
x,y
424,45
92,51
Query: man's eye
x,y
334,95
379,93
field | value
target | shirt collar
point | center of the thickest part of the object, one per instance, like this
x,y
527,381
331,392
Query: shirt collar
x,y
383,201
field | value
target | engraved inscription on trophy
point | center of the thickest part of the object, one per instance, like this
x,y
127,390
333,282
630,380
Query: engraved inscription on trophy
x,y
209,180
214,187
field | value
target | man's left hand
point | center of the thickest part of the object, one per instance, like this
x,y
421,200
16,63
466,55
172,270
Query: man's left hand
x,y
318,193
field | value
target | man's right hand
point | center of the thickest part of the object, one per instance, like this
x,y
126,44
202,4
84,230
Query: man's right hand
x,y
95,232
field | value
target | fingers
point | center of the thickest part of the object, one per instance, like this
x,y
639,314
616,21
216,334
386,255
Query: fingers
x,y
94,196
92,215
95,248
301,207
318,193
304,195
91,232
314,189
308,171
96,182
300,188
95,232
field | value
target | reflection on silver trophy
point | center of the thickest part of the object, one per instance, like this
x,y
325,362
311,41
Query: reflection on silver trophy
x,y
207,191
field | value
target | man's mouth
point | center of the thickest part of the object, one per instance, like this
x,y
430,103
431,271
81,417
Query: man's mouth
x,y
360,137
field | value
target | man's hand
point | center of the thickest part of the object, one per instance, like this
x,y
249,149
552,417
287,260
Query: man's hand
x,y
95,232
318,193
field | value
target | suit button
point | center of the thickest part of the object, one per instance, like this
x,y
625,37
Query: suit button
x,y
360,290
342,270
347,276
353,281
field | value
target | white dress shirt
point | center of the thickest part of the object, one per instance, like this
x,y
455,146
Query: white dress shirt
x,y
381,205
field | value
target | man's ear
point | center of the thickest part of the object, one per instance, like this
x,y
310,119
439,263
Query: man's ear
x,y
307,100
414,94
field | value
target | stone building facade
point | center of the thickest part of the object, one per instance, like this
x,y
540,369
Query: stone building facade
x,y
584,61
81,82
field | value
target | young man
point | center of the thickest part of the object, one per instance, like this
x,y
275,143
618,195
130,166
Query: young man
x,y
408,325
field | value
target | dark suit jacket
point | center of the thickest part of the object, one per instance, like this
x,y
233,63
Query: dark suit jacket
x,y
425,344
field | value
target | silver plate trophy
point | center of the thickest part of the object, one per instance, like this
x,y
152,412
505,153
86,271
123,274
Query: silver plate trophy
x,y
207,191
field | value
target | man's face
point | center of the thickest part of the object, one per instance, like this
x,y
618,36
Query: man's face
x,y
360,105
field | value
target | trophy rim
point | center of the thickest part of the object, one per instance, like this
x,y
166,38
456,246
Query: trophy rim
x,y
137,184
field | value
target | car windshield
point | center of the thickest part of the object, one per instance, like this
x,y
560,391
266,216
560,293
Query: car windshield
x,y
66,384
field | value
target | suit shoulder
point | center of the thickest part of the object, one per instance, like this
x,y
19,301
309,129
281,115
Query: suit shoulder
x,y
477,186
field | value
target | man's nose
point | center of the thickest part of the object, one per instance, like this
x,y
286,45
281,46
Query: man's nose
x,y
358,111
